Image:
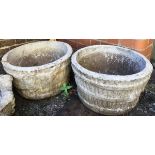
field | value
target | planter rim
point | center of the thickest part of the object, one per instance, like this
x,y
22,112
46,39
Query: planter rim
x,y
41,67
144,72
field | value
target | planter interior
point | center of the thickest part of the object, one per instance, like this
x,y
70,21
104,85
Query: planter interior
x,y
35,57
112,63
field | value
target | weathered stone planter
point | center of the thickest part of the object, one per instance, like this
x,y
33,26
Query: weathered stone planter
x,y
110,79
7,101
39,69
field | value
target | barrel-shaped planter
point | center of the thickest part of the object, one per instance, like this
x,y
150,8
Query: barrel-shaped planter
x,y
110,79
39,69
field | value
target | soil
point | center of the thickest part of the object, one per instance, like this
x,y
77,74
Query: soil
x,y
72,106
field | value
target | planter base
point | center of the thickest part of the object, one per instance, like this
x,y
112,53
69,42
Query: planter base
x,y
98,108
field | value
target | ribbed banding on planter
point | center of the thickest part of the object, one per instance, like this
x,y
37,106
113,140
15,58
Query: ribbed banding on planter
x,y
110,79
39,69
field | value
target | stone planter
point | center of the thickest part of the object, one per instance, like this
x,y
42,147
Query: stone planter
x,y
7,101
39,69
110,79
